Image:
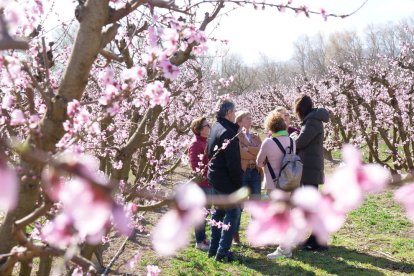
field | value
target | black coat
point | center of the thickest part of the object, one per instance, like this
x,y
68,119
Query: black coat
x,y
309,145
224,171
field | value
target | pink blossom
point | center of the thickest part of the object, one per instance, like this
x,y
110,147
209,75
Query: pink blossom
x,y
355,180
9,187
73,108
17,118
225,143
275,223
133,74
153,270
77,272
405,195
109,94
172,231
34,121
132,208
121,220
152,36
8,101
59,232
170,37
157,94
170,71
320,212
324,14
132,262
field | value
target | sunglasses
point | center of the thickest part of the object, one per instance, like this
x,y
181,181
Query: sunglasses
x,y
207,125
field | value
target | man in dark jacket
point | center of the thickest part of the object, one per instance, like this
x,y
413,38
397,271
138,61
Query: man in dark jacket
x,y
224,175
309,144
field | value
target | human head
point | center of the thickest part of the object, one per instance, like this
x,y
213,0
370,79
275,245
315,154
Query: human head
x,y
244,119
303,105
275,122
227,110
284,112
200,126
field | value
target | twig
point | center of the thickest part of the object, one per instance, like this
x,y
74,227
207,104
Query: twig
x,y
118,253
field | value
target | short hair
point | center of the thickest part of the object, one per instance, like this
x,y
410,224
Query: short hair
x,y
197,125
303,105
275,122
224,108
280,109
241,114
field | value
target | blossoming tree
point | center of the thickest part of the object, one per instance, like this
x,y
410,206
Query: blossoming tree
x,y
90,130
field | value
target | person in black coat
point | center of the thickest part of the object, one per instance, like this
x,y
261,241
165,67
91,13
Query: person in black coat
x,y
309,145
225,176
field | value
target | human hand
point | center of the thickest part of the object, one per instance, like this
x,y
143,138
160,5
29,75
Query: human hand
x,y
294,136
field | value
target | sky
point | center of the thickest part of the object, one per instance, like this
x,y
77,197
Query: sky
x,y
272,33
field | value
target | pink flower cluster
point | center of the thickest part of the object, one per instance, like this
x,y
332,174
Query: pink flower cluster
x,y
287,220
9,187
173,230
87,206
405,195
157,94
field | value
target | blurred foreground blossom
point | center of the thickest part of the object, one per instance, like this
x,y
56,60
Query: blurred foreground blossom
x,y
287,219
8,187
153,270
173,230
405,195
354,180
87,205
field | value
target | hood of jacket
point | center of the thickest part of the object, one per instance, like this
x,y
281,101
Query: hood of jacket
x,y
320,114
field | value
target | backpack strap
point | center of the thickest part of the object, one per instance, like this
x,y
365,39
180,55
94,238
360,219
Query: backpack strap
x,y
291,145
282,149
272,173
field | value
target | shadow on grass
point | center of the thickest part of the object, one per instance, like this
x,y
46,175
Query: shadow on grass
x,y
342,260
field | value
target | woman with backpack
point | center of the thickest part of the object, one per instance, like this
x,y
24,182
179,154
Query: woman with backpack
x,y
270,154
309,144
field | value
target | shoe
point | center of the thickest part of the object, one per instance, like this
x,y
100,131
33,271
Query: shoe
x,y
280,253
212,254
236,238
312,244
204,245
226,257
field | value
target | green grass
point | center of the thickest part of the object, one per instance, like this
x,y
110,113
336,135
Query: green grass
x,y
376,240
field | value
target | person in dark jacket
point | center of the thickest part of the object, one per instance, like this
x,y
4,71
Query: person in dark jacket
x,y
309,145
197,153
225,176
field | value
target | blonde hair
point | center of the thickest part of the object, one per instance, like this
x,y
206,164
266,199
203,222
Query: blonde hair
x,y
275,122
280,109
241,114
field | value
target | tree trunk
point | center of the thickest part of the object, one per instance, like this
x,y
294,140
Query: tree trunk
x,y
87,45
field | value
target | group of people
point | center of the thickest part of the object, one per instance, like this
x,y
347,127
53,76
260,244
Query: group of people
x,y
245,161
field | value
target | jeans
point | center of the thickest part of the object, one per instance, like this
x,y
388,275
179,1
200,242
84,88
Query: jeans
x,y
252,180
200,231
221,239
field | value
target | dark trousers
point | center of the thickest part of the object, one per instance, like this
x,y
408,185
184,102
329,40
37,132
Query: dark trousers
x,y
221,239
200,231
252,180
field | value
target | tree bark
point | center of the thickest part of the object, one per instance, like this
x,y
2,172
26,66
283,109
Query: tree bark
x,y
86,48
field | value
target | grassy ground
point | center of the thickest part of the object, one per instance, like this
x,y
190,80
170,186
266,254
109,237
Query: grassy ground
x,y
377,239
